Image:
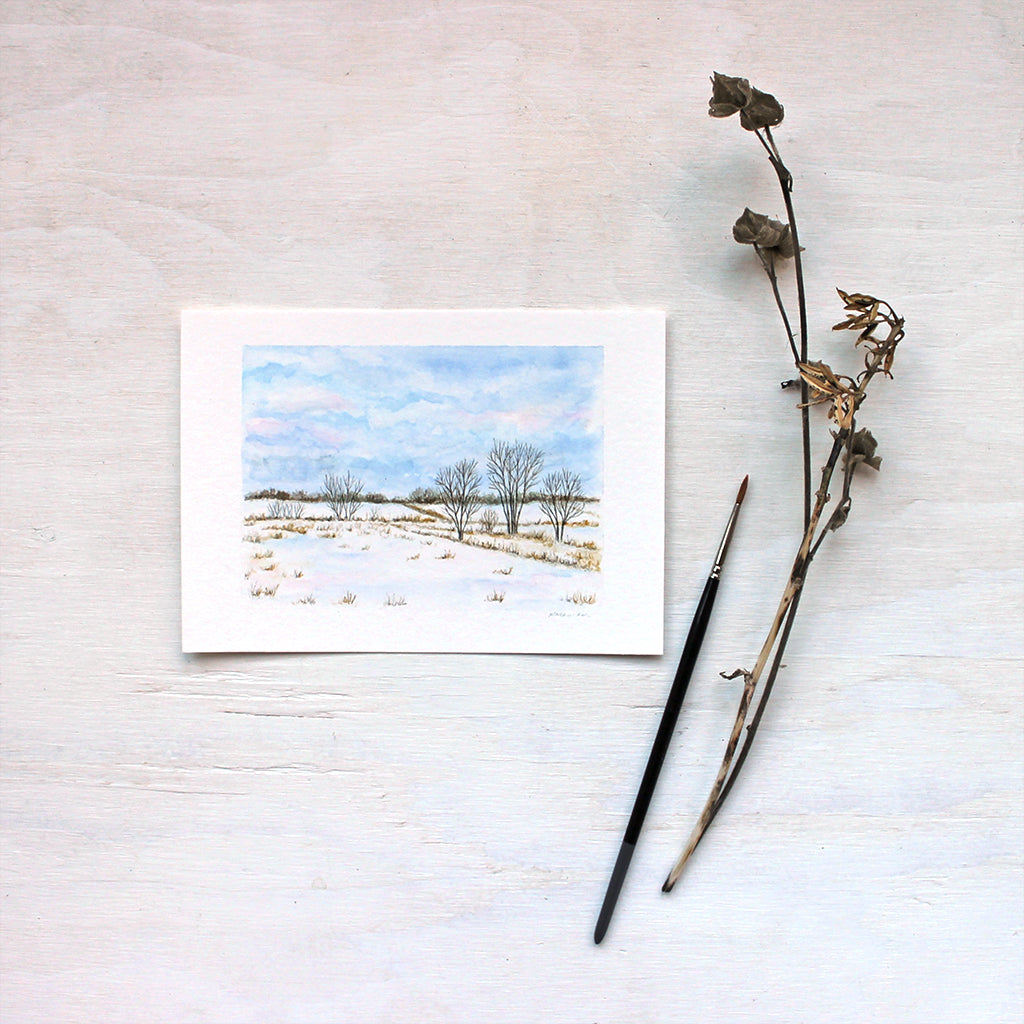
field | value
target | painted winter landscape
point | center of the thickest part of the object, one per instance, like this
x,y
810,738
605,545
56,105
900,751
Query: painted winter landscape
x,y
423,476
422,480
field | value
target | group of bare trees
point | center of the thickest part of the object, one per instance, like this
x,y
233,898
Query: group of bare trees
x,y
513,470
343,495
561,500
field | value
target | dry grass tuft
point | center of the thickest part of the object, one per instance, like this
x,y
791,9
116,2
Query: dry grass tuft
x,y
542,536
590,560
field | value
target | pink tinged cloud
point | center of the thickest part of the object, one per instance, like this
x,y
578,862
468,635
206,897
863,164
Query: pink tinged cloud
x,y
327,435
534,419
264,427
308,398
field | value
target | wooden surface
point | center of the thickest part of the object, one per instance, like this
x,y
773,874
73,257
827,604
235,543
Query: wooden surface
x,y
409,838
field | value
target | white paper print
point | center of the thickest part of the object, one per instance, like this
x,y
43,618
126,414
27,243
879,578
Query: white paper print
x,y
392,480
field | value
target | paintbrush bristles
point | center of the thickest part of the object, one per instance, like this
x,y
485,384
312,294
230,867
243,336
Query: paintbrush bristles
x,y
742,492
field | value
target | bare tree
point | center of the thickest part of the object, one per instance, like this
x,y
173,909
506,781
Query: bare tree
x,y
460,493
343,495
488,520
512,470
562,500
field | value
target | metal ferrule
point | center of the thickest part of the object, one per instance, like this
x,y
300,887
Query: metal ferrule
x,y
730,526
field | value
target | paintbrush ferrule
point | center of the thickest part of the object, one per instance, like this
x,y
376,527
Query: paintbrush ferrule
x,y
730,528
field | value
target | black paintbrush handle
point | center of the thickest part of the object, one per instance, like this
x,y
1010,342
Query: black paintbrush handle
x,y
691,649
669,717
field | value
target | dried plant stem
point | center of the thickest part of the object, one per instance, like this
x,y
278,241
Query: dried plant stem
x,y
768,262
774,645
762,704
752,679
799,351
880,331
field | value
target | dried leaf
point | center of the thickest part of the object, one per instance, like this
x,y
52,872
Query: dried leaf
x,y
856,300
728,95
829,386
862,449
762,111
840,515
757,109
867,314
736,673
767,234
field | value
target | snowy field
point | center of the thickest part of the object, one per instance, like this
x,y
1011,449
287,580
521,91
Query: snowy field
x,y
406,555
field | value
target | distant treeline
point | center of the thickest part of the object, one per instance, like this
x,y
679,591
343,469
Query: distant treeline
x,y
418,496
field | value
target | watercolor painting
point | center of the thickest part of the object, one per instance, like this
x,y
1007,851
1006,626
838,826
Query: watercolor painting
x,y
371,480
432,475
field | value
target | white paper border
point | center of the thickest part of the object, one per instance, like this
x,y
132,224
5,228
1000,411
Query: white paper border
x,y
217,615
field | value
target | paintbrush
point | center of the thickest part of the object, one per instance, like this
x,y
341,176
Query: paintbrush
x,y
691,649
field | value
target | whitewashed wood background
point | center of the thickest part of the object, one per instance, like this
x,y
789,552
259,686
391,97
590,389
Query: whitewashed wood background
x,y
427,839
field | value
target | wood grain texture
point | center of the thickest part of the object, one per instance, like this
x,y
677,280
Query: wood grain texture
x,y
390,839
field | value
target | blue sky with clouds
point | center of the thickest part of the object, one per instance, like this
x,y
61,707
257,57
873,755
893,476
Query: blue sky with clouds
x,y
395,415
